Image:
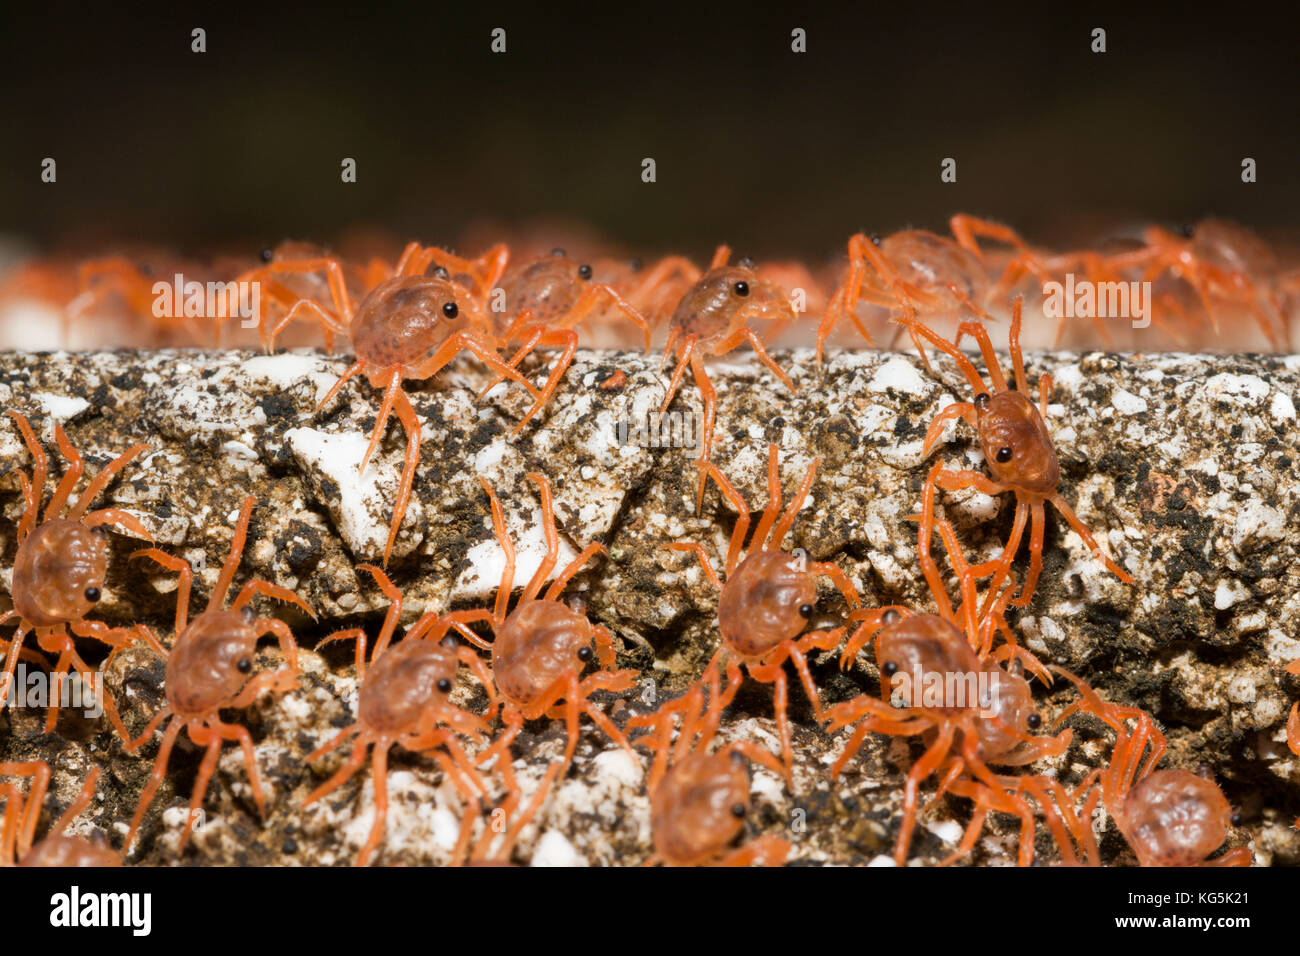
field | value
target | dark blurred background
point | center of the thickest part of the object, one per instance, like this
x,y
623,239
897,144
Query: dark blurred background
x,y
775,152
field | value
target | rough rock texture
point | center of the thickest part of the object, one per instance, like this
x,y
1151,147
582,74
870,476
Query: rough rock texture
x,y
1185,467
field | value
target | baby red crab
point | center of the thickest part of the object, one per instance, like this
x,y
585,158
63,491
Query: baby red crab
x,y
1221,261
410,327
1095,266
134,282
762,609
1013,435
479,275
208,670
18,826
1169,817
305,276
60,567
654,291
547,297
914,270
100,278
966,728
300,277
404,700
697,807
1293,729
712,318
698,810
1293,722
539,652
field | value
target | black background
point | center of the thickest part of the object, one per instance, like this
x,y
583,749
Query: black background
x,y
331,911
776,152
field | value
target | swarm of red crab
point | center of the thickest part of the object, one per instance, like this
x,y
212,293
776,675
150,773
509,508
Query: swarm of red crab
x,y
539,658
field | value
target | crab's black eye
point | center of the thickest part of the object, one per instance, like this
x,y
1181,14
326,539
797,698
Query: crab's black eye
x,y
1235,819
982,400
451,310
92,595
741,288
246,612
738,810
584,271
805,610
266,254
1188,230
444,685
244,665
1003,454
875,239
889,668
636,264
891,616
557,251
1034,721
584,653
